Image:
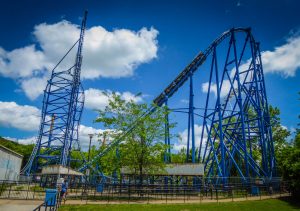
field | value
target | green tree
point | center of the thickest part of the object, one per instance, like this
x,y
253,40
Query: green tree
x,y
289,161
179,157
280,133
288,158
141,150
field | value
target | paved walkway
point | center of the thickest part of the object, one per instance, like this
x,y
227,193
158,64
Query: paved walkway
x,y
18,205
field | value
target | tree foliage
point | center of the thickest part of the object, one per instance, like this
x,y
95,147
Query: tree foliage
x,y
288,157
142,150
289,162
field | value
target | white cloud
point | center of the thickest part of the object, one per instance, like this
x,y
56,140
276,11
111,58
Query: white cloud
x,y
33,87
116,54
22,62
95,99
284,127
110,54
185,101
284,60
184,137
23,117
128,96
213,88
84,138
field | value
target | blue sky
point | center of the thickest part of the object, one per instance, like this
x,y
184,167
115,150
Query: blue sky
x,y
147,44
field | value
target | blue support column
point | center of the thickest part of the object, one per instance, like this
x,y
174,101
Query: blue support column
x,y
259,111
188,138
219,110
191,108
267,116
191,124
167,154
240,103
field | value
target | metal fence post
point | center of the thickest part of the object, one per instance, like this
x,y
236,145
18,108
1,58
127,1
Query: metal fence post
x,y
259,193
148,196
2,187
9,190
27,190
166,196
128,192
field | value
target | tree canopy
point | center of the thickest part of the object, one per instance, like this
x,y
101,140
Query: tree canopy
x,y
141,151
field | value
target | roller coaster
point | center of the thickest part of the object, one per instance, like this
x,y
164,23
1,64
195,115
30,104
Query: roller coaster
x,y
61,113
234,118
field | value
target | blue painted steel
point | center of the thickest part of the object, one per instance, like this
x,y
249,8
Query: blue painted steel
x,y
167,157
61,113
50,198
191,125
232,134
255,190
235,120
100,188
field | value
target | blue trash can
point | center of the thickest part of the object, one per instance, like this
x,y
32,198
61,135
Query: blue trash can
x,y
255,190
100,188
50,199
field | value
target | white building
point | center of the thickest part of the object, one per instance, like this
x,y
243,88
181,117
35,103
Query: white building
x,y
10,164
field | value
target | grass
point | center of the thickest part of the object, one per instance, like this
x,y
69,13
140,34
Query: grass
x,y
36,188
19,188
283,204
3,188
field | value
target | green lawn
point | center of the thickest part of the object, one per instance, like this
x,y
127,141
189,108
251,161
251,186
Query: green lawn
x,y
269,204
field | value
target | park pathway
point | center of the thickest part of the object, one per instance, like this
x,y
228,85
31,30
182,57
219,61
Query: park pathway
x,y
18,205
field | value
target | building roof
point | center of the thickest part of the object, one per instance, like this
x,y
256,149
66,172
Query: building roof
x,y
187,169
59,169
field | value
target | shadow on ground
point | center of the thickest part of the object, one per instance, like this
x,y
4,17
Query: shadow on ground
x,y
292,201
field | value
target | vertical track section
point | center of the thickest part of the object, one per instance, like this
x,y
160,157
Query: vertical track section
x,y
61,113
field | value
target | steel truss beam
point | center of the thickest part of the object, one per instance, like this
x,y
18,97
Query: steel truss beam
x,y
234,123
231,136
61,113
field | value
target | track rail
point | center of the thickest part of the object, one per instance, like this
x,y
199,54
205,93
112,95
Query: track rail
x,y
171,89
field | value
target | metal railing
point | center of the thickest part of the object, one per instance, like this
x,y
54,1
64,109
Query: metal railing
x,y
146,192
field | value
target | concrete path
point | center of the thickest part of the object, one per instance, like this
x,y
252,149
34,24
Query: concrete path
x,y
18,205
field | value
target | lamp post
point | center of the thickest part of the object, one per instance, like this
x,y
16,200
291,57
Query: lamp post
x,y
88,170
89,153
91,136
